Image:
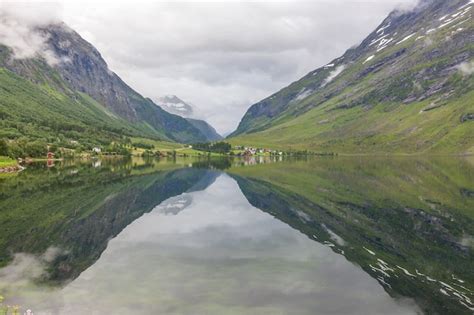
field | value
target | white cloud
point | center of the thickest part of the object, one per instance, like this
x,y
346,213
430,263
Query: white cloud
x,y
221,56
18,29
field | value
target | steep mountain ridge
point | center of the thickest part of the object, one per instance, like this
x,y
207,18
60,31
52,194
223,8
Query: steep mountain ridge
x,y
206,129
415,62
175,105
80,69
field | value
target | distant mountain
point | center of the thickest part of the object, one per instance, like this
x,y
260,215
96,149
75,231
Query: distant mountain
x,y
206,129
408,87
78,97
175,105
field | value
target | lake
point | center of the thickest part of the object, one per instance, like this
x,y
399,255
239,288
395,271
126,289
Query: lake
x,y
329,235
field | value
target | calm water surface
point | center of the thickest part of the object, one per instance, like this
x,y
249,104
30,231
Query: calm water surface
x,y
320,236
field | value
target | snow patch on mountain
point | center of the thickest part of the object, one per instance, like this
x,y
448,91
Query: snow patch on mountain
x,y
458,16
174,105
369,59
406,38
304,93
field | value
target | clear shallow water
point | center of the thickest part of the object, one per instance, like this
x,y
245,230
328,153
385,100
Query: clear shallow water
x,y
297,237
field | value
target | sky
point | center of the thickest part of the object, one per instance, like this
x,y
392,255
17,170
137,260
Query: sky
x,y
220,56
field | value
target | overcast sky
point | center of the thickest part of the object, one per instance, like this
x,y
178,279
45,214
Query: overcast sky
x,y
221,56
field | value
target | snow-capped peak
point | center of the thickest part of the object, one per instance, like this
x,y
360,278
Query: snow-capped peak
x,y
175,105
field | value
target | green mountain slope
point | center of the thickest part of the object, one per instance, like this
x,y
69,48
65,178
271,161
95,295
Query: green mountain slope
x,y
174,105
38,111
206,129
79,93
407,88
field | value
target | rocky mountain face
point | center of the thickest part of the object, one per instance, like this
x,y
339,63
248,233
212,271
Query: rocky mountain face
x,y
408,84
81,69
175,105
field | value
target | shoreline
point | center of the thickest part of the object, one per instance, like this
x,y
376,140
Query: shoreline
x,y
18,167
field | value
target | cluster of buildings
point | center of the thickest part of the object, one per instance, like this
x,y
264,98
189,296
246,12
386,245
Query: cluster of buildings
x,y
249,151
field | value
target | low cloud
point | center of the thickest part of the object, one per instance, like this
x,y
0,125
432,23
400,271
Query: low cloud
x,y
19,29
333,74
224,57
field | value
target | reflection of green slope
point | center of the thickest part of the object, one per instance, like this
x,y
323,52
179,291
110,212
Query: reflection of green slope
x,y
79,210
411,213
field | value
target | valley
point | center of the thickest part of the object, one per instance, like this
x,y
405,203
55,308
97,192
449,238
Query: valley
x,y
136,176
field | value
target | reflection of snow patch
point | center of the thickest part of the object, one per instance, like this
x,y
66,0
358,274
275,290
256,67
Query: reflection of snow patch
x,y
406,271
383,265
174,205
336,238
382,281
303,216
457,279
380,270
369,251
444,292
446,285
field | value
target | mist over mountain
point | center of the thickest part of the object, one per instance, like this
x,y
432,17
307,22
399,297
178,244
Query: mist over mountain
x,y
175,105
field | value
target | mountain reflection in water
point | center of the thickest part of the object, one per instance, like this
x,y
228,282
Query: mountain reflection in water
x,y
325,236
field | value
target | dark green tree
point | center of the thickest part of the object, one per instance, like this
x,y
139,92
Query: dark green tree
x,y
3,147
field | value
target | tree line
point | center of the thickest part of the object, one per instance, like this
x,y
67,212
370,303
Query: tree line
x,y
215,147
